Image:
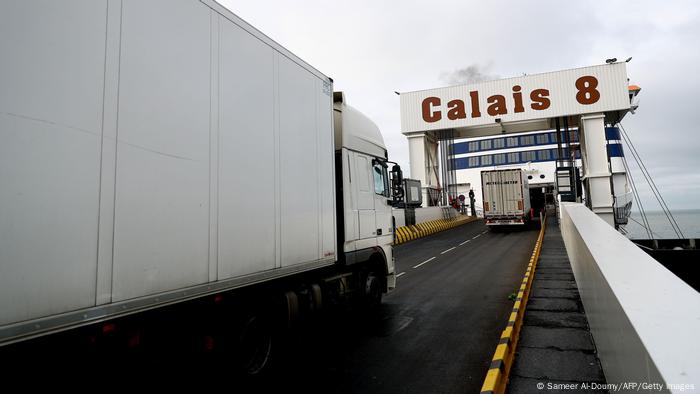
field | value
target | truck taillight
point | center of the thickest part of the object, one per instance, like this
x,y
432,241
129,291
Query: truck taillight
x,y
486,206
520,205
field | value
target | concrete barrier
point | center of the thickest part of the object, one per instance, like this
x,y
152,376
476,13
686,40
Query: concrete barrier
x,y
644,320
426,214
409,233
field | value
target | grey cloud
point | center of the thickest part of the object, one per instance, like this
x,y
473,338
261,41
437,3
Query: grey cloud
x,y
470,74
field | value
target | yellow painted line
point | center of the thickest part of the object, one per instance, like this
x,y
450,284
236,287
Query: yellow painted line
x,y
493,377
496,378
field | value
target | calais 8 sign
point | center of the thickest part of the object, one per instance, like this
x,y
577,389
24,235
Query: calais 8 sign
x,y
570,92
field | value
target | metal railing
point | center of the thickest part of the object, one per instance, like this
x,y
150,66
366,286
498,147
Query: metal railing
x,y
623,208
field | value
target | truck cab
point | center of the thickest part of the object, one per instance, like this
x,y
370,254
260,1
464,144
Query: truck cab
x,y
363,182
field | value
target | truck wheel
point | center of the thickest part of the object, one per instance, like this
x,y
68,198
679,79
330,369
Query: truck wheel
x,y
373,291
255,345
316,298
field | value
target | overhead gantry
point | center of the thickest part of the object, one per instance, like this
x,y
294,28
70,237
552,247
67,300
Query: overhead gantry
x,y
587,98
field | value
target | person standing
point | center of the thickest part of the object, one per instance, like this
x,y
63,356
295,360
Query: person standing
x,y
472,200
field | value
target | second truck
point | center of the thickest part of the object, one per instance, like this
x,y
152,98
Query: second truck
x,y
506,197
163,164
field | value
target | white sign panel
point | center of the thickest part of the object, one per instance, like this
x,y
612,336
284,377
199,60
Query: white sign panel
x,y
593,89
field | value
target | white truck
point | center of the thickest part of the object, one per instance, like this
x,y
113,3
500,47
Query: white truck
x,y
165,157
506,197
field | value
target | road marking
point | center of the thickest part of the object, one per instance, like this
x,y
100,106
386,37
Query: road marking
x,y
464,242
426,261
476,236
445,251
399,275
485,231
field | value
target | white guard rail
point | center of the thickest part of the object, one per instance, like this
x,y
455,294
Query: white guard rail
x,y
645,321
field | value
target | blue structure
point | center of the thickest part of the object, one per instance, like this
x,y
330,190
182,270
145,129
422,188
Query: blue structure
x,y
524,156
546,138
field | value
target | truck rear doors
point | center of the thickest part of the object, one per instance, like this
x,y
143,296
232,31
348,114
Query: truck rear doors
x,y
503,194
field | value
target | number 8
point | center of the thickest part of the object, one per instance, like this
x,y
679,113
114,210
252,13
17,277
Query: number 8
x,y
587,92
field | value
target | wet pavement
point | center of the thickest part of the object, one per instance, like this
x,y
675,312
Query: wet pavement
x,y
434,334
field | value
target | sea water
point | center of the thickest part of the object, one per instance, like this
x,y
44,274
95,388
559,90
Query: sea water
x,y
688,221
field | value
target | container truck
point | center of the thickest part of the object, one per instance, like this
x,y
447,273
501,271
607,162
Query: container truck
x,y
165,163
506,197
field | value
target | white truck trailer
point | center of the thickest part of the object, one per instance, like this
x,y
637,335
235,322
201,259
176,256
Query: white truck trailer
x,y
506,197
157,156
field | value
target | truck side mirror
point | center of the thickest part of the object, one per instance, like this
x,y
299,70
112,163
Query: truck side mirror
x,y
397,183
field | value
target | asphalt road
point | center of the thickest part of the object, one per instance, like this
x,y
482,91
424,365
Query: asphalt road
x,y
435,333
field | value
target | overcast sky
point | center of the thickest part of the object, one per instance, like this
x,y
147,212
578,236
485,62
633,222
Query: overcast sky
x,y
373,48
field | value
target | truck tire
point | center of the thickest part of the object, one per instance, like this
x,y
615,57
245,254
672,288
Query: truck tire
x,y
373,291
316,298
256,341
291,309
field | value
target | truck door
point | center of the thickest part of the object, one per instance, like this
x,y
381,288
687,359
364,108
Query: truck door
x,y
382,209
512,192
492,185
365,196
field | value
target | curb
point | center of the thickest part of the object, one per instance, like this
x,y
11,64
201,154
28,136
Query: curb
x,y
409,233
497,376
